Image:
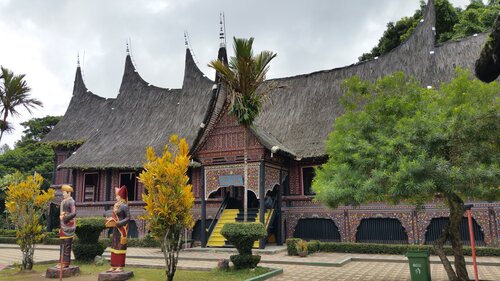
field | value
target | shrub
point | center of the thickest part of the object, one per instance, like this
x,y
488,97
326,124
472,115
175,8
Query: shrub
x,y
245,261
291,246
301,246
313,246
7,232
87,246
87,252
243,235
88,229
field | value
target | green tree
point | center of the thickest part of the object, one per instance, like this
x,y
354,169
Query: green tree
x,y
400,142
29,154
168,198
244,74
36,129
14,92
488,64
452,23
26,203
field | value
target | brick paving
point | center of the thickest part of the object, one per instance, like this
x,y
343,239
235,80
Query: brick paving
x,y
363,266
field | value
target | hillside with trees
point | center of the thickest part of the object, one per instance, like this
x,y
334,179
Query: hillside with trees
x,y
452,23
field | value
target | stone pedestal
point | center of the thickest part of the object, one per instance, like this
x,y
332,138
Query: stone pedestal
x,y
115,276
53,272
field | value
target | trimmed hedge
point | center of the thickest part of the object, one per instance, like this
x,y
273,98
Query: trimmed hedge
x,y
291,246
7,240
8,232
87,252
368,248
88,229
243,235
87,246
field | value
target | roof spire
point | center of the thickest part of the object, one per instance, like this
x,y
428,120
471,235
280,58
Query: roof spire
x,y
78,59
186,43
128,50
222,32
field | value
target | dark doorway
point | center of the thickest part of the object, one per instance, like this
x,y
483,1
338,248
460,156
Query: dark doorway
x,y
317,229
381,230
128,179
91,191
437,224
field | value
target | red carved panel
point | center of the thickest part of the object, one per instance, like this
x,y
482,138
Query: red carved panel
x,y
225,141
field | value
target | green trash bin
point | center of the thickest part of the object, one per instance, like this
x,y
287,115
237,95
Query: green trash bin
x,y
420,267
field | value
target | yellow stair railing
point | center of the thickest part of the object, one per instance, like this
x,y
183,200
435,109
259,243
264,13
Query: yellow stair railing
x,y
216,239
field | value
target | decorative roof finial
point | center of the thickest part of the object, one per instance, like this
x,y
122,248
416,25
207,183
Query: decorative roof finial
x,y
186,43
78,59
222,33
128,50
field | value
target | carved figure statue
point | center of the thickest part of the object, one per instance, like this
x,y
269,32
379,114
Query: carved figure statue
x,y
68,225
119,223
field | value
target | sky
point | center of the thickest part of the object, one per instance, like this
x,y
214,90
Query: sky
x,y
42,39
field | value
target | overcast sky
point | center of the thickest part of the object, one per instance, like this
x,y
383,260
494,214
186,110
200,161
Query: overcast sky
x,y
42,38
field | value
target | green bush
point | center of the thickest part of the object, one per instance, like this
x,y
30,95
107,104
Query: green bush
x,y
291,246
87,252
7,240
245,261
313,246
87,246
50,241
243,235
8,232
368,248
88,229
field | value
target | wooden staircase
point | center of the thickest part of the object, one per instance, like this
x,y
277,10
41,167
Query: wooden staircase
x,y
234,215
216,239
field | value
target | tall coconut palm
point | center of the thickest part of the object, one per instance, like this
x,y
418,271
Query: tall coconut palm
x,y
14,92
242,77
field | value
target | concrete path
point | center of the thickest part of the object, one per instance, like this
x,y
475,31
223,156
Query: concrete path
x,y
319,266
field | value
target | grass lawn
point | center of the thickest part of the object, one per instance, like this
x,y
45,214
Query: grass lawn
x,y
91,271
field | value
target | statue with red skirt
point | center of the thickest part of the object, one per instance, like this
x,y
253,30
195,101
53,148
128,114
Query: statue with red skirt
x,y
119,222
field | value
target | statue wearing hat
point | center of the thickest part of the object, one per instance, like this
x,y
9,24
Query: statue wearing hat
x,y
68,224
119,222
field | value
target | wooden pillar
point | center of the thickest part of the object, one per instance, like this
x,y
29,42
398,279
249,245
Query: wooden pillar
x,y
203,210
279,234
54,175
109,176
73,171
262,190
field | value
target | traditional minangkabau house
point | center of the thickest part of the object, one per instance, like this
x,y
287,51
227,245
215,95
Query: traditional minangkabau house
x,y
100,143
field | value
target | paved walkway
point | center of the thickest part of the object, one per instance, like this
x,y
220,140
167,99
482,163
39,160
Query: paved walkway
x,y
319,266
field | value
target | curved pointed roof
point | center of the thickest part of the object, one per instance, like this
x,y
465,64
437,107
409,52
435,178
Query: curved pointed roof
x,y
145,115
301,112
298,118
84,117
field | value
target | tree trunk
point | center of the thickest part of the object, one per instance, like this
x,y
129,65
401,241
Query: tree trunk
x,y
457,211
439,248
171,246
4,122
245,174
452,232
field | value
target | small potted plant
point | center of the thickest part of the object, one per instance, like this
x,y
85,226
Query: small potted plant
x,y
301,248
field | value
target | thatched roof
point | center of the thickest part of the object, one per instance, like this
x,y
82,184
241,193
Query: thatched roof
x,y
304,107
297,119
145,115
84,117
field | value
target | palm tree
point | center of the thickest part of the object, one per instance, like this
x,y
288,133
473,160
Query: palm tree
x,y
242,77
14,91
